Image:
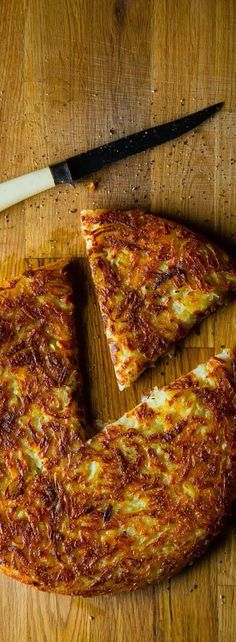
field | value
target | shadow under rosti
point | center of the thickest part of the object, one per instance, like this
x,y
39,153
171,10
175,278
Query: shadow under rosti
x,y
222,238
78,275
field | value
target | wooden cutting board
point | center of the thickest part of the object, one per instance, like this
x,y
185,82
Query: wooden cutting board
x,y
74,74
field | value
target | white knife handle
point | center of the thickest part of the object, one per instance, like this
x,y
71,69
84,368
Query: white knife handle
x,y
17,189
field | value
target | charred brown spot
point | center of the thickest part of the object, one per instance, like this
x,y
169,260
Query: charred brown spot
x,y
28,357
15,489
133,299
6,331
33,353
176,273
50,494
30,307
179,427
167,436
57,537
7,421
145,338
223,404
56,367
145,412
122,460
88,510
107,513
110,277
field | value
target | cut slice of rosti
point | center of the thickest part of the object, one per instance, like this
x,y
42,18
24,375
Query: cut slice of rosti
x,y
41,413
154,279
134,504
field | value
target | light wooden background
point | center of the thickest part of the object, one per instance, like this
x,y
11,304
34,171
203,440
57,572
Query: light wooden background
x,y
74,74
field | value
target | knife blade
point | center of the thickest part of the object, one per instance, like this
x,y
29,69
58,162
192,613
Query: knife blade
x,y
87,163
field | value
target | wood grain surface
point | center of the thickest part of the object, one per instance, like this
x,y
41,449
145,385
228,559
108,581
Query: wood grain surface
x,y
74,74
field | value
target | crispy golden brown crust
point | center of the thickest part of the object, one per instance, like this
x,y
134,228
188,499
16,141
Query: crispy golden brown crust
x,y
41,415
155,279
132,505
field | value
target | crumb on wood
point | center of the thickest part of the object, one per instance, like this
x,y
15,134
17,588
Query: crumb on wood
x,y
92,186
222,598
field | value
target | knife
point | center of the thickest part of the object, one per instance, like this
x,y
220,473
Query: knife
x,y
77,167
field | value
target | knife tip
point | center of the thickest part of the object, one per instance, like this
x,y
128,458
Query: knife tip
x,y
218,106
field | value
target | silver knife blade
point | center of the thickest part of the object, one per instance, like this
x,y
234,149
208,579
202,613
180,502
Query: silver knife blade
x,y
85,164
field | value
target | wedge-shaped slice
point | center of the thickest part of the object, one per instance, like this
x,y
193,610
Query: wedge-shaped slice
x,y
40,397
154,279
133,505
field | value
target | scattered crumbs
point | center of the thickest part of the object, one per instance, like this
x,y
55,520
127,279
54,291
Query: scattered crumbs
x,y
91,617
182,101
222,598
112,131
